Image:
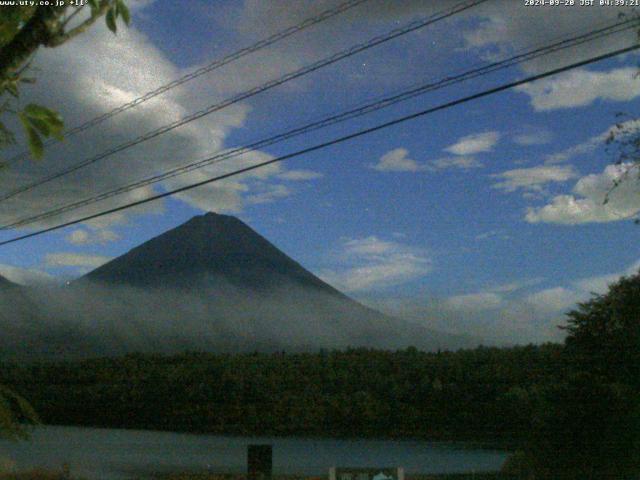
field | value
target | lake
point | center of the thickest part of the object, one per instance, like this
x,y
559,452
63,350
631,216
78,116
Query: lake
x,y
112,454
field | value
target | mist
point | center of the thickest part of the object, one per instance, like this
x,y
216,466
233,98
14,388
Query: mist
x,y
90,319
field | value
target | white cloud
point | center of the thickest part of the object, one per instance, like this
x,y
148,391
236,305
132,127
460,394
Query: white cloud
x,y
600,283
562,298
620,131
462,162
555,299
514,312
69,259
368,246
500,234
122,67
587,202
533,179
475,301
26,276
491,297
78,237
534,136
397,161
371,263
269,194
579,88
492,317
298,175
516,285
82,236
258,19
580,149
83,82
508,27
473,144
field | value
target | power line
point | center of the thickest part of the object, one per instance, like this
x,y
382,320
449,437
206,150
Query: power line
x,y
350,114
281,35
375,41
335,141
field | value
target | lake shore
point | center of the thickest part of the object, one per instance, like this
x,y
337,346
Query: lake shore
x,y
510,445
117,454
456,476
52,475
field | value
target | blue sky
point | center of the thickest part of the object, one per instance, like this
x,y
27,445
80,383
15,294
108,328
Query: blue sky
x,y
486,218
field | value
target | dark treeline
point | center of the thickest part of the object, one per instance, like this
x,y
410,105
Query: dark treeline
x,y
485,394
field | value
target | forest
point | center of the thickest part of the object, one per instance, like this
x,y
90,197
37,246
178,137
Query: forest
x,y
484,394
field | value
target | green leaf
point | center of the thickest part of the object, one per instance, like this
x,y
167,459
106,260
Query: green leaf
x,y
36,147
57,133
111,19
38,111
6,136
47,122
41,126
15,414
12,88
123,11
22,406
94,5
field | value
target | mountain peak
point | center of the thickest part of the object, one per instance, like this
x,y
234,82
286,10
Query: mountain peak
x,y
211,217
211,283
219,247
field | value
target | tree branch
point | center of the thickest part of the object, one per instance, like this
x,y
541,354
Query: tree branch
x,y
36,32
70,17
63,37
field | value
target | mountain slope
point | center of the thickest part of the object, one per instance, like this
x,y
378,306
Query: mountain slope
x,y
6,284
244,293
210,245
211,284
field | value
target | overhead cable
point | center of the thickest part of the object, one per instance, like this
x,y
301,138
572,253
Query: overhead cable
x,y
332,142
